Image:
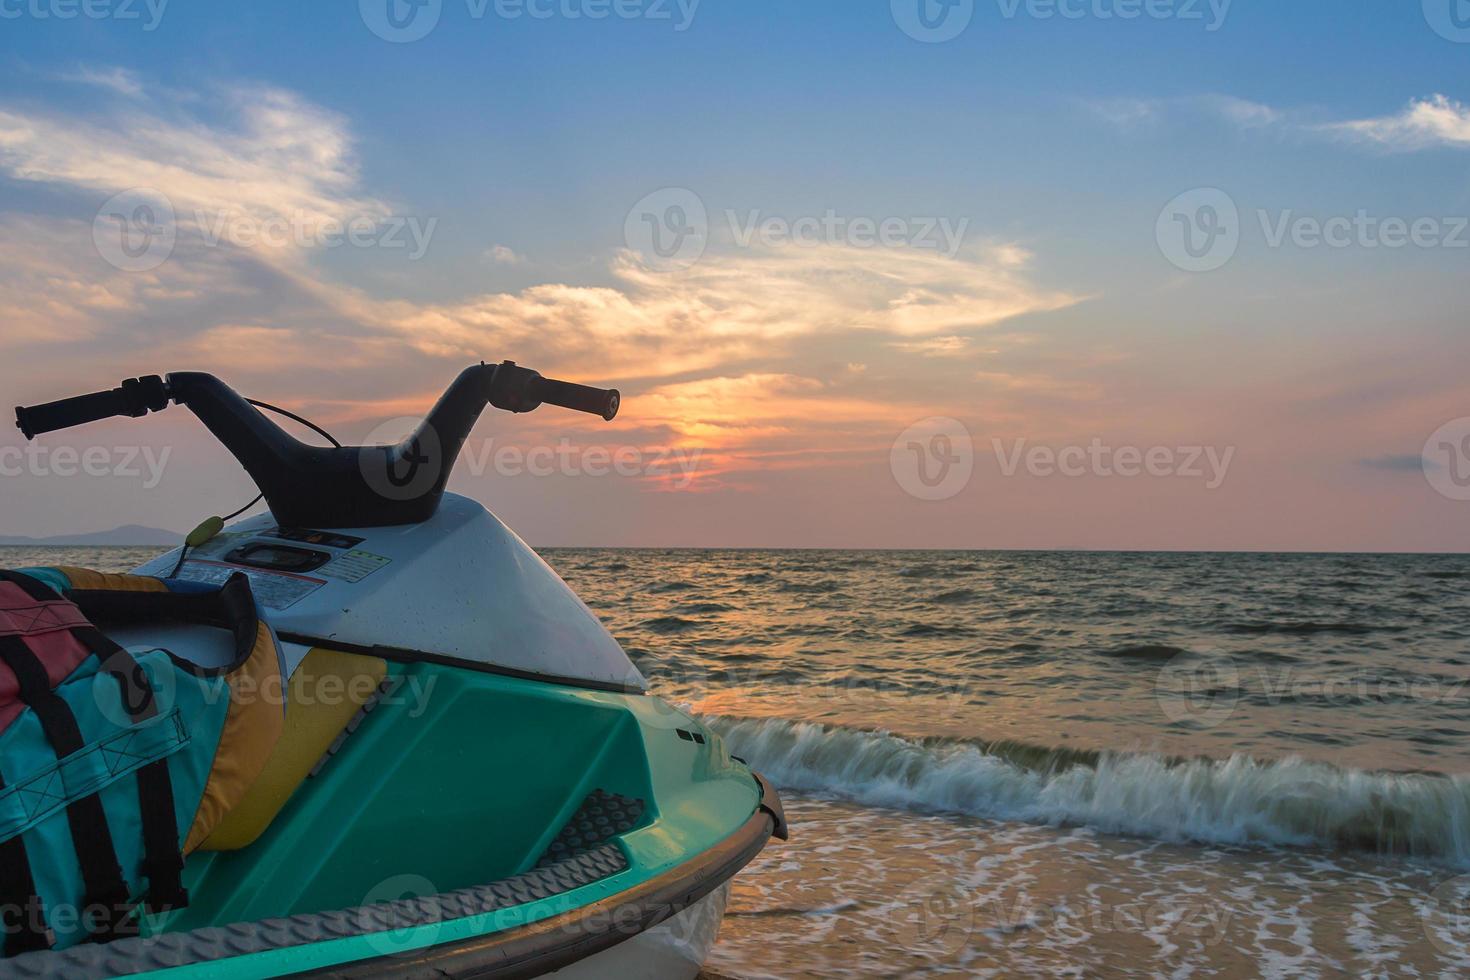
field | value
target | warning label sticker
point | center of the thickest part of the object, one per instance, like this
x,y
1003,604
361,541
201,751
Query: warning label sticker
x,y
353,566
274,590
217,546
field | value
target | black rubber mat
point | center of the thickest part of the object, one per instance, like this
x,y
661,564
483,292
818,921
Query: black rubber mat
x,y
600,818
126,956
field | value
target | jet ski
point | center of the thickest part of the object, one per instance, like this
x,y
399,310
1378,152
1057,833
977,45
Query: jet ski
x,y
459,772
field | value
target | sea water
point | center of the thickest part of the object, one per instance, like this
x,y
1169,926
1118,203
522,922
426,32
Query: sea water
x,y
1070,764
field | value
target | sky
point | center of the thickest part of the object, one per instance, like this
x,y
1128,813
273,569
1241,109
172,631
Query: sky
x,y
1095,274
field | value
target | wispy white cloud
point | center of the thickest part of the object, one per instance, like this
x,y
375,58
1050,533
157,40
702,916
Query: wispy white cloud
x,y
1434,121
1126,113
503,255
119,80
278,156
1241,112
741,304
1130,113
934,346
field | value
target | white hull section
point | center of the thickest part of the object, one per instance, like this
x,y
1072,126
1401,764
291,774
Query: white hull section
x,y
672,950
459,585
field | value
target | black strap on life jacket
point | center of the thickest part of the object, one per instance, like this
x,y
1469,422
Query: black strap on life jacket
x,y
32,587
106,898
163,859
21,914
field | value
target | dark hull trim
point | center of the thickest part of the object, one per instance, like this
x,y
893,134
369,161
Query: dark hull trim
x,y
399,655
541,947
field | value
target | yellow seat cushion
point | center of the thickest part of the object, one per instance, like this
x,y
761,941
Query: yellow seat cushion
x,y
325,692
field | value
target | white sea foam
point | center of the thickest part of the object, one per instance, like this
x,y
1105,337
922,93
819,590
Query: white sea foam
x,y
1238,800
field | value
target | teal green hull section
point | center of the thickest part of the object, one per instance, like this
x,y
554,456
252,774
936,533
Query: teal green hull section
x,y
460,778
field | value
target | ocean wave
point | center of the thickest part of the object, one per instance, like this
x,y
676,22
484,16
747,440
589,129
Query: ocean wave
x,y
669,624
702,608
820,587
1146,651
1288,802
1310,628
923,571
934,629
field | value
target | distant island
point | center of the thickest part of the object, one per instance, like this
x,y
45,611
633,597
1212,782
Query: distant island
x,y
128,535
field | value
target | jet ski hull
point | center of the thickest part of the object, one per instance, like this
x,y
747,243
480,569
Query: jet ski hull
x,y
444,837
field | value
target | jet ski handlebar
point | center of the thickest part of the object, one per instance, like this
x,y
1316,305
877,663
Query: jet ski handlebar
x,y
136,397
344,486
518,389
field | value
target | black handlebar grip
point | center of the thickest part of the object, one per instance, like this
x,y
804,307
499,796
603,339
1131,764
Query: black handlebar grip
x,y
69,412
579,398
136,397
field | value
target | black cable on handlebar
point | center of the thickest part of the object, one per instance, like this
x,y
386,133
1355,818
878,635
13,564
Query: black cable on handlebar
x,y
296,418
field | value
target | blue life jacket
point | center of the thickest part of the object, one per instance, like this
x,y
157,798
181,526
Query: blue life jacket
x,y
115,764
